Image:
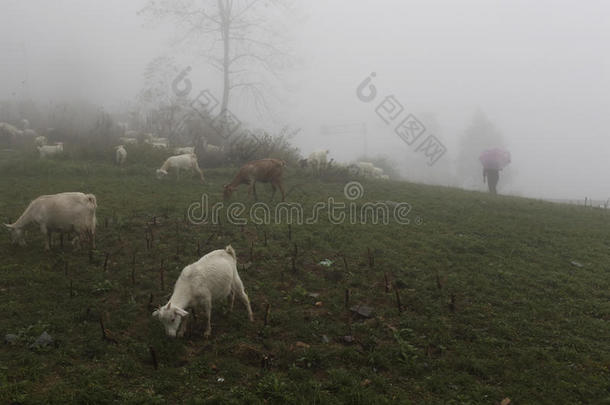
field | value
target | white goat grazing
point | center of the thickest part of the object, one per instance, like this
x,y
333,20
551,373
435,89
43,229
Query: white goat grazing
x,y
40,140
365,169
121,155
188,161
318,160
211,278
128,141
63,212
184,149
50,150
213,148
377,172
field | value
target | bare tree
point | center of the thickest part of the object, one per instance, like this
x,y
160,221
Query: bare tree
x,y
243,39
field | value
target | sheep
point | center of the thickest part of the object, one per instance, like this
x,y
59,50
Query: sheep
x,y
264,170
50,150
211,278
184,149
40,140
384,177
121,155
63,212
317,160
187,161
377,172
128,141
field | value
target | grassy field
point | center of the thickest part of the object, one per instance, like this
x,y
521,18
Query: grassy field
x,y
491,304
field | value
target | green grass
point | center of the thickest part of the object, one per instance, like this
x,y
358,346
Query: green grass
x,y
525,324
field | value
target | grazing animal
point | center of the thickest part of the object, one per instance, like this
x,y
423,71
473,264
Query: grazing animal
x,y
377,172
50,150
188,161
40,140
213,148
365,169
318,160
121,155
384,177
128,141
63,212
264,170
211,278
184,149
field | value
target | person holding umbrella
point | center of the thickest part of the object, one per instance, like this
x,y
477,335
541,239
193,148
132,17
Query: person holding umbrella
x,y
493,160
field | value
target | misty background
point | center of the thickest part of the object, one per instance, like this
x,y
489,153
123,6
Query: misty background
x,y
532,75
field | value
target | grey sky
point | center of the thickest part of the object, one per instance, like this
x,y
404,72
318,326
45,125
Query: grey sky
x,y
539,70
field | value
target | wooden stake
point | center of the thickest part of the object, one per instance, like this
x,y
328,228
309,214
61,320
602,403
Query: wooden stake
x,y
153,355
387,283
162,274
345,263
133,269
398,303
347,295
106,261
150,301
267,309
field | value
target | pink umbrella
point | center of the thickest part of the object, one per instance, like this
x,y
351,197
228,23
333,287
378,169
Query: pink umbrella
x,y
495,159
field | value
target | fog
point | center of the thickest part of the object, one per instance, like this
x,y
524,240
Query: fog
x,y
538,71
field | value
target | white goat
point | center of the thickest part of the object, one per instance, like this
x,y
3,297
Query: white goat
x,y
50,150
211,278
213,148
40,140
365,169
63,212
188,161
384,177
128,141
318,160
10,130
184,149
377,172
121,155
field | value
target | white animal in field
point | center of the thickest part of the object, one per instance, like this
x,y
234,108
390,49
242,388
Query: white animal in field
x,y
213,148
121,155
377,172
188,161
159,143
10,130
318,160
51,150
184,149
210,279
128,141
40,140
384,177
365,169
64,212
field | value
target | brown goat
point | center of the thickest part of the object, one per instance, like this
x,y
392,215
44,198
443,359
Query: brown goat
x,y
264,170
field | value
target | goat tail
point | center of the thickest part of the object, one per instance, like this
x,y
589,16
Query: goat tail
x,y
229,249
91,198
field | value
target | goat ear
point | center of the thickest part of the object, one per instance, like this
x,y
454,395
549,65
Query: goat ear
x,y
169,305
8,226
155,313
181,312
